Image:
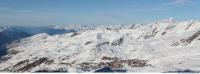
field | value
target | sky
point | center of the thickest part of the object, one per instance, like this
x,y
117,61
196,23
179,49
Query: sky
x,y
95,12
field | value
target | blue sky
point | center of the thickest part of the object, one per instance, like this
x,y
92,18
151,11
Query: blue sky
x,y
95,12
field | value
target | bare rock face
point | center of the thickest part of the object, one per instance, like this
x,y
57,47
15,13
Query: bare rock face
x,y
27,65
74,34
191,38
113,63
117,42
151,34
187,41
119,63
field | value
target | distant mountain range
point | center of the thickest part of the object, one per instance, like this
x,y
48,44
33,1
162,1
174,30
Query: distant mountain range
x,y
161,46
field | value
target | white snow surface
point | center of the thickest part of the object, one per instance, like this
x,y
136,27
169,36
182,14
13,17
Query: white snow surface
x,y
143,42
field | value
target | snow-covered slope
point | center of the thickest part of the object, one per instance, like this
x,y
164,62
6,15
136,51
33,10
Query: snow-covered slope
x,y
163,46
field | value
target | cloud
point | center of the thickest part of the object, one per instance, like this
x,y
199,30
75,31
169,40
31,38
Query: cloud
x,y
179,2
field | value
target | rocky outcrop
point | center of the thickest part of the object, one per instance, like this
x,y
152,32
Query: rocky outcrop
x,y
88,42
120,63
117,42
113,63
27,65
52,71
74,34
108,58
187,41
148,35
88,66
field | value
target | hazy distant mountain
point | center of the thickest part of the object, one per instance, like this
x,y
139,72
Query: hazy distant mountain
x,y
9,34
44,29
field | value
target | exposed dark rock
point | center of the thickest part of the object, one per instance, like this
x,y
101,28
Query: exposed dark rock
x,y
109,58
16,66
183,71
105,69
175,44
34,64
167,28
185,42
118,63
49,62
154,32
132,26
163,33
117,42
88,66
103,43
19,64
178,42
88,43
13,52
108,28
133,50
42,71
119,70
191,38
99,36
149,34
48,71
188,26
136,63
74,34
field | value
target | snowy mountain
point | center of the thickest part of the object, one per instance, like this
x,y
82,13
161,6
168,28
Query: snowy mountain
x,y
8,34
162,46
74,27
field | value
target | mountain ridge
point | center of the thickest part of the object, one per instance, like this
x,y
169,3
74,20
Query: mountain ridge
x,y
158,47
